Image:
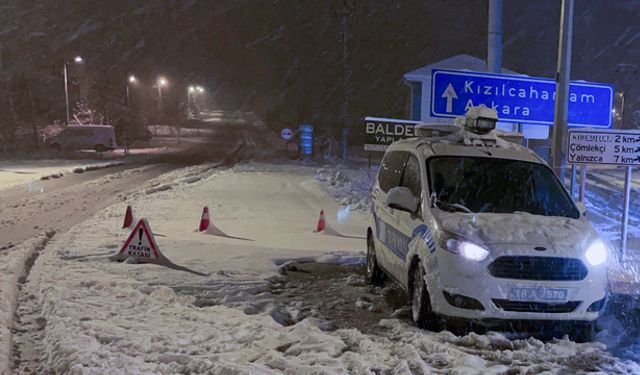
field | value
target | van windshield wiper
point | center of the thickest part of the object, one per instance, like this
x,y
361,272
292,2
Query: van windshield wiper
x,y
451,207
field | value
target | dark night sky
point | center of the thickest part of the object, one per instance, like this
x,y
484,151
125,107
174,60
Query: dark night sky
x,y
282,59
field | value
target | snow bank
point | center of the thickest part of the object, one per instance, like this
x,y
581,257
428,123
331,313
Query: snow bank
x,y
350,187
14,173
95,167
14,262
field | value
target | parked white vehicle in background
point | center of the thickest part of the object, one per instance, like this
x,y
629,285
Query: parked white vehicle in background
x,y
480,231
84,137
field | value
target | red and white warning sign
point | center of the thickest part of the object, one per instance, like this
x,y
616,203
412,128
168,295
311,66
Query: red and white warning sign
x,y
140,245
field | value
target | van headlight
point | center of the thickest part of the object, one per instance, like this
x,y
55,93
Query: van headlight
x,y
467,249
596,253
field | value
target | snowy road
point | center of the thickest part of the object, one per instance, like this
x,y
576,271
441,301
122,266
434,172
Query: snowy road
x,y
28,209
28,204
87,315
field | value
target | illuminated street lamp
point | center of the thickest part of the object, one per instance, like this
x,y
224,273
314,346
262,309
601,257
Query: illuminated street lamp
x,y
132,79
190,91
193,90
162,82
77,60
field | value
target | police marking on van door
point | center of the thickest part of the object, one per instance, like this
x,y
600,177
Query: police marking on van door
x,y
381,132
392,238
423,231
398,242
614,147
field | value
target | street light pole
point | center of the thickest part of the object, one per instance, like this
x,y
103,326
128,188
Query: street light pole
x,y
560,118
161,83
66,92
132,79
77,60
189,93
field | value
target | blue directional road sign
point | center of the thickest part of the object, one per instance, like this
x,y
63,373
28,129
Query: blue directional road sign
x,y
519,99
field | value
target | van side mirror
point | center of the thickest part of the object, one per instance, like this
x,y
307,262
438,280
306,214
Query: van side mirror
x,y
582,208
401,198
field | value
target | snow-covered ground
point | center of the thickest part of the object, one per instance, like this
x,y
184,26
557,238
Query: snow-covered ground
x,y
12,266
350,187
275,209
26,173
107,317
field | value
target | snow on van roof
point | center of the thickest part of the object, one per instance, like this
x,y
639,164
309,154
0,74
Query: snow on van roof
x,y
454,140
457,134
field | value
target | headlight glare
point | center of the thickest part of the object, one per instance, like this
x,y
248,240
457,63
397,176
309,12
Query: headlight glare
x,y
472,251
596,253
467,249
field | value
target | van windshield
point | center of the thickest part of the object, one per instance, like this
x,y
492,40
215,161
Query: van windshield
x,y
479,184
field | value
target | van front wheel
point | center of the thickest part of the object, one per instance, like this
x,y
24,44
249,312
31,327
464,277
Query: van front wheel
x,y
374,273
582,332
100,148
421,312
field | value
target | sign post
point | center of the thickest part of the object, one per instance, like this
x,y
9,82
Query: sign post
x,y
574,181
607,147
625,210
583,183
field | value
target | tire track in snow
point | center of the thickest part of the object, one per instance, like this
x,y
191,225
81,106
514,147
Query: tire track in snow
x,y
28,352
15,266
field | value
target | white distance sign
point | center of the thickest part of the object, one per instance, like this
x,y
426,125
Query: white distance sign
x,y
614,147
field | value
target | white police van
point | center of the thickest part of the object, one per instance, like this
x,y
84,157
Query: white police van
x,y
480,230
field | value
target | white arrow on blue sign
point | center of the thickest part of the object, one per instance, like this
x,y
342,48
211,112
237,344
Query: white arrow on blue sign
x,y
527,100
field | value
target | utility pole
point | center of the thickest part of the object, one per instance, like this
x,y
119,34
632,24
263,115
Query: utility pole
x,y
346,14
494,38
563,74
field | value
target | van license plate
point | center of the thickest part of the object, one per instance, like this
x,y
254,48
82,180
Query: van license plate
x,y
538,294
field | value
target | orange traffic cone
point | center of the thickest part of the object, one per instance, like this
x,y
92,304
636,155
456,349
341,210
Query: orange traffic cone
x,y
128,218
204,221
322,224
